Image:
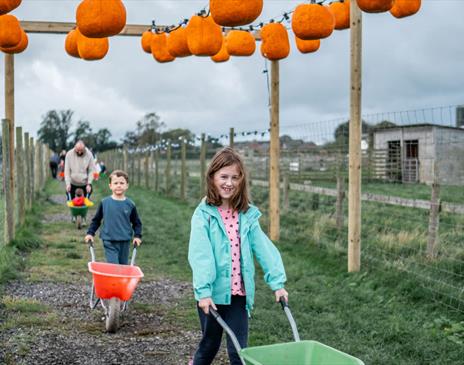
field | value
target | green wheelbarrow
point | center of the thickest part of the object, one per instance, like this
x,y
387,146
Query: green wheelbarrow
x,y
78,214
291,353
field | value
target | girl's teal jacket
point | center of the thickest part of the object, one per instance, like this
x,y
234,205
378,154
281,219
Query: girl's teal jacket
x,y
210,258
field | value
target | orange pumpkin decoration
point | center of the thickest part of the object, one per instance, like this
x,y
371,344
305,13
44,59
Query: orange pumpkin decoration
x,y
20,47
10,31
204,36
240,43
70,44
341,12
222,55
307,46
375,6
177,43
159,48
232,13
312,21
8,5
100,18
91,49
146,41
404,8
275,44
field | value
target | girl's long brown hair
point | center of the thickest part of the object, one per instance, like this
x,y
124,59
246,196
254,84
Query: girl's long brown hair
x,y
226,157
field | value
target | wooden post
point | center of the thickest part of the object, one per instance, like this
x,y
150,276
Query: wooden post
x,y
40,164
139,169
21,176
10,116
168,169
9,213
157,160
274,173
231,137
147,177
339,203
286,192
183,171
27,154
434,221
36,166
354,189
32,183
124,159
203,166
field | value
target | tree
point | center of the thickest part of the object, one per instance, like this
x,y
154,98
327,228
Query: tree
x,y
147,132
103,140
84,133
176,135
55,129
342,133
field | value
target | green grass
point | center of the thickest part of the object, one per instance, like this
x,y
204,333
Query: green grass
x,y
378,315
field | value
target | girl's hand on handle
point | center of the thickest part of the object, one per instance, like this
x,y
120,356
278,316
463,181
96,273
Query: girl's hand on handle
x,y
88,238
205,303
137,242
281,293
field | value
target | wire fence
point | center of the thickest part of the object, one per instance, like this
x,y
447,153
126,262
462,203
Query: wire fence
x,y
413,198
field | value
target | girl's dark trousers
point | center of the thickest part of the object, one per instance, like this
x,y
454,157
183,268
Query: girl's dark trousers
x,y
236,317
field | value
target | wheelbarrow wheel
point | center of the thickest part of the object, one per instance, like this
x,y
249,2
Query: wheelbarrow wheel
x,y
112,317
79,222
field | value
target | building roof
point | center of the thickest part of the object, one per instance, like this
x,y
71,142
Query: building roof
x,y
423,125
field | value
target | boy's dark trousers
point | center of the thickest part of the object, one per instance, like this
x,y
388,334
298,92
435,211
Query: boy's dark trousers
x,y
236,317
117,252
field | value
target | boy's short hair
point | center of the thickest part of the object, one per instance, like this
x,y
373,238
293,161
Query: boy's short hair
x,y
79,192
119,173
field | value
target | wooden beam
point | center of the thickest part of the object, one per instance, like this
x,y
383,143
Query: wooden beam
x,y
130,30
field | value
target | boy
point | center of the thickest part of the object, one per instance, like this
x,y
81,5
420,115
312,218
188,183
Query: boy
x,y
79,200
120,221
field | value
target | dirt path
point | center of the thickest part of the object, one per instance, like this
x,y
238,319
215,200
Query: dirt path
x,y
49,322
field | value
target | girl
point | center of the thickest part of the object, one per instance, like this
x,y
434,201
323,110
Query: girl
x,y
225,237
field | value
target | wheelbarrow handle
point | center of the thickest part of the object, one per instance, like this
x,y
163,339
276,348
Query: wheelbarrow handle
x,y
134,255
228,330
92,251
68,195
288,313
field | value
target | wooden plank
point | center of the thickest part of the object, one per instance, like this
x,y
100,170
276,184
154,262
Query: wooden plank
x,y
8,207
21,176
274,172
354,184
10,117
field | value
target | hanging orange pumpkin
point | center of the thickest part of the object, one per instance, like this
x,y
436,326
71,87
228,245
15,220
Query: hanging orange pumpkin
x,y
404,8
177,43
275,44
146,41
20,47
159,48
91,49
312,21
204,36
341,12
232,13
100,18
8,5
70,44
307,46
375,6
222,55
240,43
10,31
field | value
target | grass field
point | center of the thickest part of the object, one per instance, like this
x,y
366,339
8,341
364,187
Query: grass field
x,y
380,316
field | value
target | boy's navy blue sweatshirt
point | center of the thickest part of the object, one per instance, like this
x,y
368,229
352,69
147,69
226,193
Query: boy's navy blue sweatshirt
x,y
120,220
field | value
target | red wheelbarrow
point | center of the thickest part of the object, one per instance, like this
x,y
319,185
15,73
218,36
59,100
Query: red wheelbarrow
x,y
113,286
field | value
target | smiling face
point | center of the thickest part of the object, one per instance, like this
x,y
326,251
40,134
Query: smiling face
x,y
227,182
118,186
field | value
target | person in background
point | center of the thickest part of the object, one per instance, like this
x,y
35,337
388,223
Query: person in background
x,y
79,167
121,222
62,157
79,199
225,238
54,162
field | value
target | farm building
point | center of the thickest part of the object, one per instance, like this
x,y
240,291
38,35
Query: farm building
x,y
419,153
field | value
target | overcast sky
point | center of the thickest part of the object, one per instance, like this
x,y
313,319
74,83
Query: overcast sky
x,y
409,63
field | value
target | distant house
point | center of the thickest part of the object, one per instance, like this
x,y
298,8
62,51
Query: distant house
x,y
419,154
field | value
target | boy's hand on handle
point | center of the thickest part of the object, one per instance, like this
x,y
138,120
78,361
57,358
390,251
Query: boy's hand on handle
x,y
281,293
88,238
137,242
205,303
